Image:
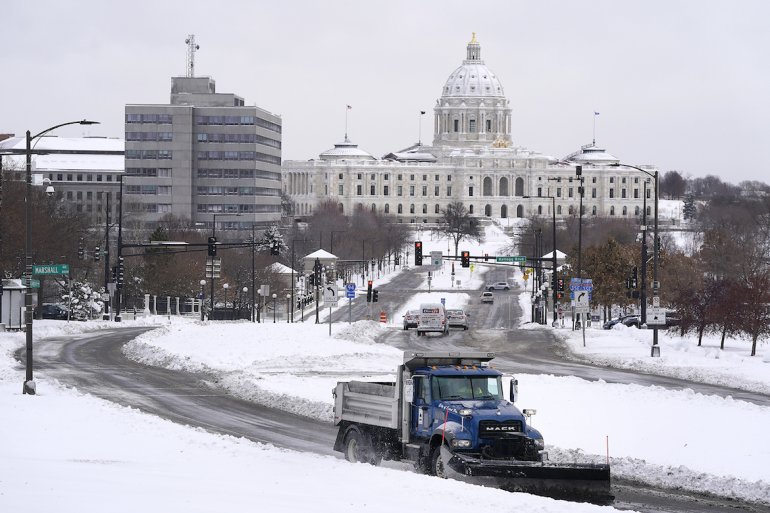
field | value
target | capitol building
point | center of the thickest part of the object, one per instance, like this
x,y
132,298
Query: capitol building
x,y
473,160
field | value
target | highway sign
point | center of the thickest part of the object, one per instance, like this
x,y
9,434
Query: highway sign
x,y
51,269
510,259
581,284
350,287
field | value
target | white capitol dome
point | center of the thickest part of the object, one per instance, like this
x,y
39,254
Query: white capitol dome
x,y
473,78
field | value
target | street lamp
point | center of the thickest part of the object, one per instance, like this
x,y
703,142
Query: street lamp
x,y
655,351
288,307
240,306
29,382
274,296
553,254
203,287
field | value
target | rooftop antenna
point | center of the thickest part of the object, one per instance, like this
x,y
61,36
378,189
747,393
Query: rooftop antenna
x,y
346,122
191,48
595,114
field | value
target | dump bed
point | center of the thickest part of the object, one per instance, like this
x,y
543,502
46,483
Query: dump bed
x,y
375,404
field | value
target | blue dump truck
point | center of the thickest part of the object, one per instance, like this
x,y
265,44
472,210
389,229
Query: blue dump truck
x,y
447,413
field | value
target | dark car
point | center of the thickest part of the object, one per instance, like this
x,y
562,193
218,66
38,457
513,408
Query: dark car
x,y
51,311
626,320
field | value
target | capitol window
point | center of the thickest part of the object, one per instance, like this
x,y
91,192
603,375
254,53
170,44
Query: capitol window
x,y
472,126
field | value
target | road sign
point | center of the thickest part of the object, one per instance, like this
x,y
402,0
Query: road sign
x,y
51,269
436,258
656,301
581,284
350,287
510,259
581,302
656,316
443,301
330,293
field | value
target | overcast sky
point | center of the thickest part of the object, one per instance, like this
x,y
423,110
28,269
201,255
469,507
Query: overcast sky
x,y
682,85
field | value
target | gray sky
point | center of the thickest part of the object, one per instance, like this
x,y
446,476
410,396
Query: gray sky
x,y
682,85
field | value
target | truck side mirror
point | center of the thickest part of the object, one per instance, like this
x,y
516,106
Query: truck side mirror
x,y
514,390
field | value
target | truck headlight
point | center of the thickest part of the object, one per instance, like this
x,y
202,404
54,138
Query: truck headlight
x,y
461,444
465,412
539,443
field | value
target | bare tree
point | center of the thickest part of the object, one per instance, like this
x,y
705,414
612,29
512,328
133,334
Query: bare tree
x,y
458,224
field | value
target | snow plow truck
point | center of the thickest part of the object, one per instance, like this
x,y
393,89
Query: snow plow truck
x,y
447,413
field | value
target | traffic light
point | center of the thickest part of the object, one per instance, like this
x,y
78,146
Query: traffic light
x,y
275,248
114,273
212,246
121,271
81,249
560,284
465,258
311,279
635,278
369,292
486,256
97,254
375,295
398,260
418,252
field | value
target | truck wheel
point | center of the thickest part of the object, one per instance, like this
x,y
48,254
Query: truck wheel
x,y
436,463
358,449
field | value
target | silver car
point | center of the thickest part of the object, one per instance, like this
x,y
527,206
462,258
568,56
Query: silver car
x,y
487,297
411,318
457,318
500,285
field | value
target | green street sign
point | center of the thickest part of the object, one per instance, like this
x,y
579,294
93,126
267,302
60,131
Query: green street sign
x,y
51,269
511,259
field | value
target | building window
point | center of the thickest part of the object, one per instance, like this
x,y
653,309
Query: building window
x,y
540,210
411,190
612,193
424,190
437,209
558,192
385,190
372,176
472,126
456,125
400,177
625,210
612,179
623,193
359,190
636,193
411,208
359,176
593,210
470,209
424,178
593,193
612,211
411,177
449,191
386,176
570,192
425,209
341,190
387,208
435,191
371,190
489,125
400,190
400,209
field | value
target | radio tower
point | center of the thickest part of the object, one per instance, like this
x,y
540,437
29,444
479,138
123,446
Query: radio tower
x,y
191,48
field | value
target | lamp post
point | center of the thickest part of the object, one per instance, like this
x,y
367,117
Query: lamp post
x,y
240,305
203,287
226,286
274,296
643,286
288,307
29,382
655,350
553,253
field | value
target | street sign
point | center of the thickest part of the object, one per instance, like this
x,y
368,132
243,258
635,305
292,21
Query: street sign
x,y
510,259
330,293
443,301
656,316
656,301
51,269
581,284
581,302
35,284
436,258
350,287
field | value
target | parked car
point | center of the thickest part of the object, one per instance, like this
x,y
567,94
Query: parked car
x,y
487,297
411,318
457,318
626,320
52,311
500,285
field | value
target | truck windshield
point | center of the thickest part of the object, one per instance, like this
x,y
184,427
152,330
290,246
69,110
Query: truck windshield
x,y
464,387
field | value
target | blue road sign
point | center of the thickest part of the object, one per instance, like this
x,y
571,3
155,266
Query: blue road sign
x,y
350,287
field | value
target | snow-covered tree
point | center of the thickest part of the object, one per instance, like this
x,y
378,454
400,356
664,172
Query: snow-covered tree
x,y
86,302
270,237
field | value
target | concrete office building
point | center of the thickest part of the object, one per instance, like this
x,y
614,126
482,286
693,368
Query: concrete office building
x,y
205,156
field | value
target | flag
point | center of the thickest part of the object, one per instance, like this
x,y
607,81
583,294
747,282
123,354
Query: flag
x,y
349,107
595,113
422,112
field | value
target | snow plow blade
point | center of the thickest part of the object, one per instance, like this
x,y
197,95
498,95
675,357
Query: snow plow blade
x,y
568,481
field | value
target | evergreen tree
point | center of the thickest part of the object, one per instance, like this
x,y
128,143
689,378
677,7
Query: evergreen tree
x,y
689,210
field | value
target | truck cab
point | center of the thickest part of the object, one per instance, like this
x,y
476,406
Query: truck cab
x,y
465,405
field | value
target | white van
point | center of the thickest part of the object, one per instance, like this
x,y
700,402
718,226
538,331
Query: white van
x,y
432,318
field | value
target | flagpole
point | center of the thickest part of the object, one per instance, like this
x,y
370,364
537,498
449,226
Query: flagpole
x,y
419,135
347,108
595,114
